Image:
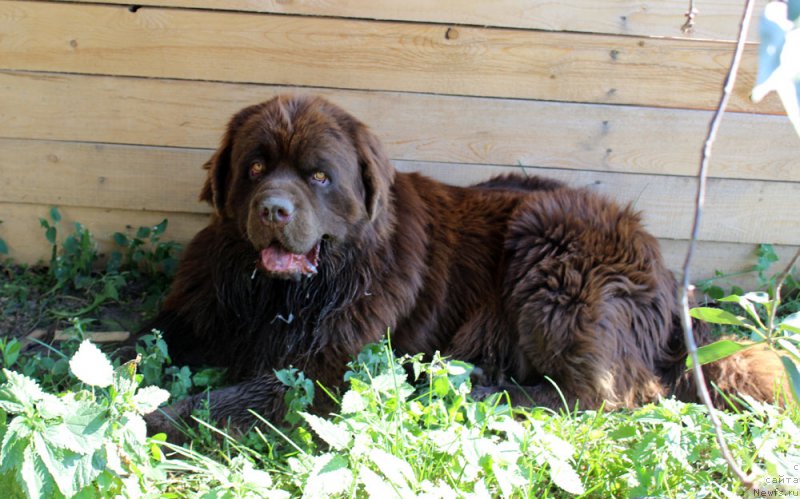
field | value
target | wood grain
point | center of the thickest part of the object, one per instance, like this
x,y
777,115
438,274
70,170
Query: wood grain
x,y
168,180
718,19
413,127
102,176
355,54
26,242
21,231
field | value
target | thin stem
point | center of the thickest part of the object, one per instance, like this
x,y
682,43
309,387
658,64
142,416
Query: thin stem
x,y
691,14
713,128
778,285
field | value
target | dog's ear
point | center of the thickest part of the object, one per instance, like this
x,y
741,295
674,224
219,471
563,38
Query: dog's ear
x,y
377,171
219,169
219,165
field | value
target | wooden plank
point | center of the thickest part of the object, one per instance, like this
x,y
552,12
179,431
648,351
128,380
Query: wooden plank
x,y
413,127
312,51
102,176
735,210
27,243
718,19
167,180
734,261
61,335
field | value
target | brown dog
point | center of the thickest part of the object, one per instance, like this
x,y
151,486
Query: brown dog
x,y
317,246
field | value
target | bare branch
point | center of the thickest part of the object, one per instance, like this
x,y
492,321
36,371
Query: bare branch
x,y
778,285
713,128
783,275
691,14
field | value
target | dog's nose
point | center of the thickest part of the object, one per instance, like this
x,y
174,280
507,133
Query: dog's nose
x,y
277,210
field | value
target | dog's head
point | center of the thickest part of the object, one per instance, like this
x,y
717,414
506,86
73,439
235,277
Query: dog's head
x,y
296,171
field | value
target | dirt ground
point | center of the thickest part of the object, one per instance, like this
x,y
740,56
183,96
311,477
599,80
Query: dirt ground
x,y
28,305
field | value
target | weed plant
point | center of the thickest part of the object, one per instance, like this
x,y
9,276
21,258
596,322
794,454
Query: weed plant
x,y
71,422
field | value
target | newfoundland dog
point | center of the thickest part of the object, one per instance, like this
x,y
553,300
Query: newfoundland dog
x,y
316,246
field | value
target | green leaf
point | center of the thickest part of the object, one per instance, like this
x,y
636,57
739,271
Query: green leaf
x,y
50,235
791,323
134,428
18,392
564,475
716,316
336,436
3,247
505,479
717,350
375,485
143,233
51,407
11,352
789,347
15,441
794,376
160,228
287,376
55,215
125,378
35,479
329,476
70,471
210,376
82,430
258,478
398,471
148,399
393,384
746,302
623,431
714,292
757,297
353,402
766,257
441,386
110,291
91,366
120,239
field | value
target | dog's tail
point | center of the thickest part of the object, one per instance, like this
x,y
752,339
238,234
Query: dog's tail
x,y
756,372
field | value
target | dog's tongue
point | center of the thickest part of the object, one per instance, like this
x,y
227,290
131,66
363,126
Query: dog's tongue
x,y
279,260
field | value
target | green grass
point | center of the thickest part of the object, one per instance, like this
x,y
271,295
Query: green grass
x,y
400,434
402,427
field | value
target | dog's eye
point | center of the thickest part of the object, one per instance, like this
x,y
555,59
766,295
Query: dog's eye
x,y
320,177
256,169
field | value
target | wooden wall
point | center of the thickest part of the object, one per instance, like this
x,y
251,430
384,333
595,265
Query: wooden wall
x,y
107,110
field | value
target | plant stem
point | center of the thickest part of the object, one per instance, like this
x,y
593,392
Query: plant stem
x,y
713,128
778,285
688,26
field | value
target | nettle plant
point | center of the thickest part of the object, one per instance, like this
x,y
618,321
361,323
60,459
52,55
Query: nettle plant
x,y
82,442
779,71
407,427
758,318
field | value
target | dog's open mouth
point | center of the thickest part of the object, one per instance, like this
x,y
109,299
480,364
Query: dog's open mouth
x,y
280,261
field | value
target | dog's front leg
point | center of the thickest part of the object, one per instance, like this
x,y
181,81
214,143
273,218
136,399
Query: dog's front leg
x,y
230,406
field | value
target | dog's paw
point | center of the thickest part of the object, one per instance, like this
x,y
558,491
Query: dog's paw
x,y
170,420
482,392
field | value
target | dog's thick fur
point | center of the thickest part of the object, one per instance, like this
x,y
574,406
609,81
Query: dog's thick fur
x,y
523,277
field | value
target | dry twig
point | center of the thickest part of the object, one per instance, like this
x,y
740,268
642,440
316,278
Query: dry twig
x,y
779,284
713,128
691,14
